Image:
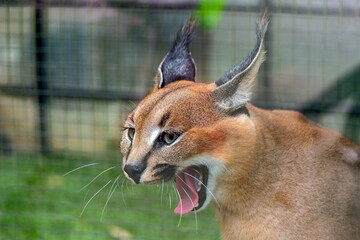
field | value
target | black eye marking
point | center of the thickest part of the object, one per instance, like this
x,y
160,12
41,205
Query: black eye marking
x,y
166,172
160,165
128,152
164,119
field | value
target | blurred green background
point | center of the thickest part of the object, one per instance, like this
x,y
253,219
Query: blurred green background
x,y
71,70
38,202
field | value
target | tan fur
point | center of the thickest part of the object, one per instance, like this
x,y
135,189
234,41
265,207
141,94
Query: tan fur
x,y
272,174
300,186
286,177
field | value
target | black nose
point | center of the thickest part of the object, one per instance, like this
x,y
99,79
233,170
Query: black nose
x,y
134,171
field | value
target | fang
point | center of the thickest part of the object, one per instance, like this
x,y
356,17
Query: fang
x,y
198,186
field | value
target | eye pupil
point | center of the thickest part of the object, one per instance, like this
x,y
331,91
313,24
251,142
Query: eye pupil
x,y
131,133
169,138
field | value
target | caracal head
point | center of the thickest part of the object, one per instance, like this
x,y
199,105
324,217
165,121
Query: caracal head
x,y
180,131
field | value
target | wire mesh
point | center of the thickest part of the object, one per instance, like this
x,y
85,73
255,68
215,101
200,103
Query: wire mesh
x,y
70,71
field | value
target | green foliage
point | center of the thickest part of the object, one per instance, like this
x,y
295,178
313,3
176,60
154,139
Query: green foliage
x,y
209,13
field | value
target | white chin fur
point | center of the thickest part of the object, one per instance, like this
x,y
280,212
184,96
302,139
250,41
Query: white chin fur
x,y
215,168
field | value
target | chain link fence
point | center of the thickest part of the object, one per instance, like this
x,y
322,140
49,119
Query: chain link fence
x,y
71,70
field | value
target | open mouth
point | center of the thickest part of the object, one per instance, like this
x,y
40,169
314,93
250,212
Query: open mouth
x,y
191,185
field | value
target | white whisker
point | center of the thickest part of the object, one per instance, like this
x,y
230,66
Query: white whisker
x,y
122,191
196,227
108,199
205,187
115,182
93,197
110,190
169,200
178,194
87,193
196,223
162,191
106,170
170,194
74,170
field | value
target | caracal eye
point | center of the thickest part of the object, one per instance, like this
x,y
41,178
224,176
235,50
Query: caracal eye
x,y
169,138
131,133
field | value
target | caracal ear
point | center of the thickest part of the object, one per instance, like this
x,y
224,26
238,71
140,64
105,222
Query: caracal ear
x,y
233,89
178,63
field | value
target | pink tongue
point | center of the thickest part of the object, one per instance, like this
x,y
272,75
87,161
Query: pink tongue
x,y
186,186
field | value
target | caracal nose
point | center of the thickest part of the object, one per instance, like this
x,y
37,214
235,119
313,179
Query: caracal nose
x,y
134,171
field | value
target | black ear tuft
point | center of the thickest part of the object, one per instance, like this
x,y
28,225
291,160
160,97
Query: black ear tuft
x,y
233,89
178,63
261,27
